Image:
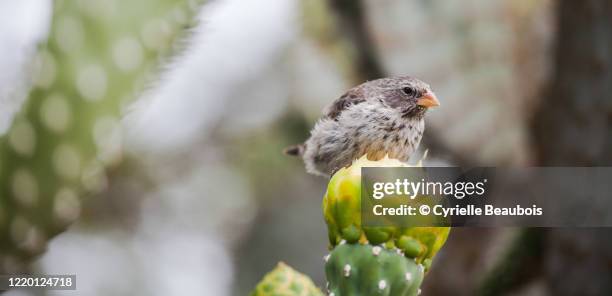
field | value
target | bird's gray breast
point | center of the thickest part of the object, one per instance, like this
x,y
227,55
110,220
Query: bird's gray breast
x,y
378,130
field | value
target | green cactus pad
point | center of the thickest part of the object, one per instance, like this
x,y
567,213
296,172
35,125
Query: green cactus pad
x,y
356,269
99,57
342,212
285,281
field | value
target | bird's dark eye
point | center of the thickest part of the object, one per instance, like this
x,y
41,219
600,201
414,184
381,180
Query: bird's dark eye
x,y
409,91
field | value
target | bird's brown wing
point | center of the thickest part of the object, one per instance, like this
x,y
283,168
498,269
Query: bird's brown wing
x,y
351,97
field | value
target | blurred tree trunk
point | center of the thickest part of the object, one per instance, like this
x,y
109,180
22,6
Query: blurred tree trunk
x,y
573,126
353,25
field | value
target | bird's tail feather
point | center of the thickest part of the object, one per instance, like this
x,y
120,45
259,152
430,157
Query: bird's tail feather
x,y
295,150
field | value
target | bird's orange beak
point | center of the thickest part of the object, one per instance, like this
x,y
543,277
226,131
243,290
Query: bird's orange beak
x,y
428,100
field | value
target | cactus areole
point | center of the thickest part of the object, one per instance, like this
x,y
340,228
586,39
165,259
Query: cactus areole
x,y
371,270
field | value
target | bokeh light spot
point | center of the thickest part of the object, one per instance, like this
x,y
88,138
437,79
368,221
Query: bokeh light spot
x,y
44,69
107,136
69,35
23,138
26,236
66,205
55,113
67,161
127,54
25,187
92,82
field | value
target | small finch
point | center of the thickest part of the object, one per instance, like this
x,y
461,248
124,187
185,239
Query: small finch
x,y
377,118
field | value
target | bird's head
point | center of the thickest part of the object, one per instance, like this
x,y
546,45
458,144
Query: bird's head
x,y
412,97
